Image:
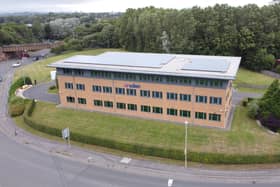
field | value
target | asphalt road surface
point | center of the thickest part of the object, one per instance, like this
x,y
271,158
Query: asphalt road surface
x,y
21,165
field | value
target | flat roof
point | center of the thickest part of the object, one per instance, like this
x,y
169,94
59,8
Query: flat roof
x,y
199,66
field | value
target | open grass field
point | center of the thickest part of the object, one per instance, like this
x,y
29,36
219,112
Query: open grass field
x,y
41,72
245,136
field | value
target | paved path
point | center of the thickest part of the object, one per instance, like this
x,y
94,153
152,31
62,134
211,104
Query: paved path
x,y
28,160
40,92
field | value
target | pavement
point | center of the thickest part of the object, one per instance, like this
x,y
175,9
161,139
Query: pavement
x,y
29,160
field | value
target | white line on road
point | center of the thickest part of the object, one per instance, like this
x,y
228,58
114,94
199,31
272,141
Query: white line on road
x,y
170,182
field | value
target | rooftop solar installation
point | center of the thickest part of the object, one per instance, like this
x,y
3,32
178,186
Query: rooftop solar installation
x,y
210,65
147,60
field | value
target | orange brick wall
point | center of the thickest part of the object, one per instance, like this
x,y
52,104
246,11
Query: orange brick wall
x,y
164,102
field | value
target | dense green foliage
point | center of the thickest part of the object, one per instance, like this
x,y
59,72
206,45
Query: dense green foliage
x,y
250,31
16,104
270,103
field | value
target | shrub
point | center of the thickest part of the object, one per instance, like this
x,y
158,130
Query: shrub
x,y
244,102
19,83
16,109
53,87
31,108
253,109
277,69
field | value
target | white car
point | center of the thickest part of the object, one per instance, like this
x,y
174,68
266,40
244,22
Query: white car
x,y
17,64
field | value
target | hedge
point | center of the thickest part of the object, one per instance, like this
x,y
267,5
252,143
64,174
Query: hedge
x,y
31,108
202,157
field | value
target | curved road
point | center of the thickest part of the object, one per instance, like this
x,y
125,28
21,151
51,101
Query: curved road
x,y
21,165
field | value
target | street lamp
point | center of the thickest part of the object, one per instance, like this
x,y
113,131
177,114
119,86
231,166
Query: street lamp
x,y
186,143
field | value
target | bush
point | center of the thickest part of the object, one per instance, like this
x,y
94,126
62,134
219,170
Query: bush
x,y
31,108
244,103
52,87
16,109
253,109
277,69
19,83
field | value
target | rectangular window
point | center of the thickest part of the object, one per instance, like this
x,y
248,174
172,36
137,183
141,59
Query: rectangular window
x,y
79,72
107,89
201,99
214,117
131,92
82,101
132,107
67,71
200,115
108,104
157,110
216,100
185,97
97,103
171,111
120,91
70,99
185,113
101,74
121,105
171,96
96,88
157,94
145,108
145,93
69,85
80,86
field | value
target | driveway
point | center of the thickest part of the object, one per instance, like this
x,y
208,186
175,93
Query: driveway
x,y
40,92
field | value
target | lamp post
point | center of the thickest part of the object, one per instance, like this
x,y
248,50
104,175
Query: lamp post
x,y
186,143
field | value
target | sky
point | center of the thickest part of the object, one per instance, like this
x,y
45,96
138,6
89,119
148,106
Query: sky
x,y
110,5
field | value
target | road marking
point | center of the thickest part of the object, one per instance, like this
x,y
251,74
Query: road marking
x,y
125,160
170,182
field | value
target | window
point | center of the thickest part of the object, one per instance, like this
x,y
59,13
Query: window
x,y
132,107
145,108
70,99
101,74
82,101
67,71
185,97
200,115
216,100
131,92
186,81
80,86
216,83
157,110
108,104
215,117
201,82
107,89
201,99
97,103
79,72
157,94
171,79
171,96
171,111
185,113
69,85
121,105
145,93
96,88
120,91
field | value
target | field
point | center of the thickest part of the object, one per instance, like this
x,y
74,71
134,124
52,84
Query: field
x,y
40,71
245,137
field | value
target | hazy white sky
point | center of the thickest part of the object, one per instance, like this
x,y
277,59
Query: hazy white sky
x,y
111,5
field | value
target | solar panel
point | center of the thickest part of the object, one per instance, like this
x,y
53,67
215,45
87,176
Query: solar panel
x,y
148,60
210,65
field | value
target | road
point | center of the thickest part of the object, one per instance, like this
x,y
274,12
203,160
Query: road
x,y
20,165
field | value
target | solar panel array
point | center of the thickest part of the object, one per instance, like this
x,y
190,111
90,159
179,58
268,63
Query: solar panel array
x,y
147,60
210,65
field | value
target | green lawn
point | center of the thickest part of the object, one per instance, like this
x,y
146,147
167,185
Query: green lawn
x,y
245,136
39,70
250,77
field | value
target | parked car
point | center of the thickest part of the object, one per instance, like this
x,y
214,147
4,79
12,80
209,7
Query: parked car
x,y
17,64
